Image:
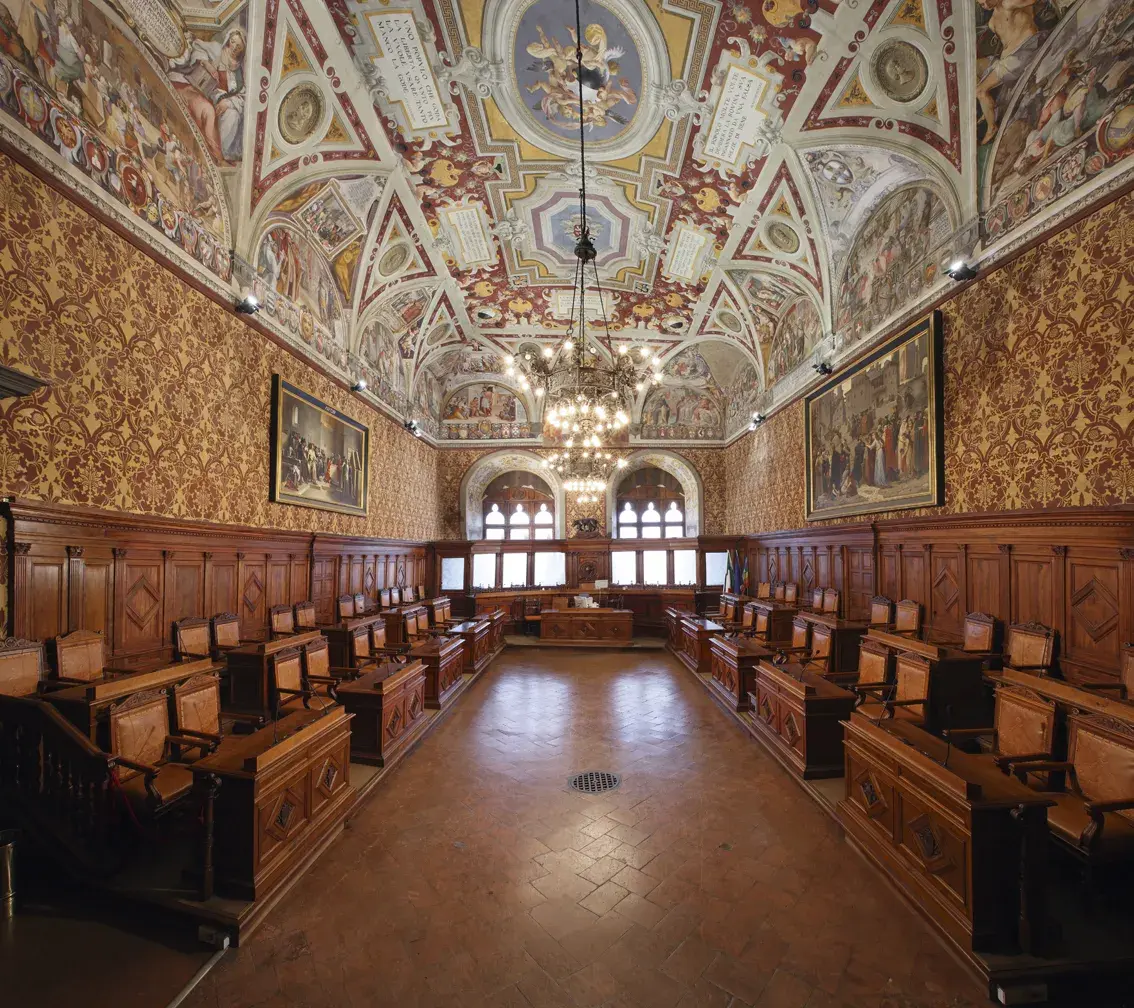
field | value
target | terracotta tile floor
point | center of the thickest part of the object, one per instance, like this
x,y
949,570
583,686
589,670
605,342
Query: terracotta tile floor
x,y
475,877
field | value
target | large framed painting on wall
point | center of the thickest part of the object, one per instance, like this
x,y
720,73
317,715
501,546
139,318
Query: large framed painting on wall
x,y
320,457
874,432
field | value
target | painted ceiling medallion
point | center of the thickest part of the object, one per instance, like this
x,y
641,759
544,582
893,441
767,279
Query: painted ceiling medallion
x,y
782,237
394,259
624,56
729,321
301,112
900,70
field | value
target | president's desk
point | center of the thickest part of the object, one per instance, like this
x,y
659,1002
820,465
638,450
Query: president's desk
x,y
586,626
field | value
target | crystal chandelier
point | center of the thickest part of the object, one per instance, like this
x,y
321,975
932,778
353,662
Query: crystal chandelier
x,y
587,385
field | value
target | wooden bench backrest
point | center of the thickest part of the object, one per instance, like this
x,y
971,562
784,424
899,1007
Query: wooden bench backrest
x,y
196,704
1025,721
791,591
317,655
378,634
384,598
139,726
764,589
344,605
283,619
1102,750
305,615
1029,644
226,630
80,655
980,632
912,678
873,662
907,616
21,666
881,610
287,671
800,633
191,637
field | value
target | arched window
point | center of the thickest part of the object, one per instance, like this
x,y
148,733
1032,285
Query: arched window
x,y
494,523
518,505
650,505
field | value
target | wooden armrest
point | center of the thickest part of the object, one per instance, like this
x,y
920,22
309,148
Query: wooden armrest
x,y
1114,805
1005,763
207,736
322,680
185,742
906,703
1040,765
870,687
345,673
1030,668
795,650
147,768
951,733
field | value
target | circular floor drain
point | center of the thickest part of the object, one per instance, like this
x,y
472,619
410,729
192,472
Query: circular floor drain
x,y
595,781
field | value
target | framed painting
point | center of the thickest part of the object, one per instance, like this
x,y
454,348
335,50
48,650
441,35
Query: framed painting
x,y
874,432
320,457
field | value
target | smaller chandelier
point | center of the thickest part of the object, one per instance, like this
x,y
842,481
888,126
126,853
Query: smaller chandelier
x,y
587,472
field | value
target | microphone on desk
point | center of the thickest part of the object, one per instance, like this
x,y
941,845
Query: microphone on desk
x,y
948,734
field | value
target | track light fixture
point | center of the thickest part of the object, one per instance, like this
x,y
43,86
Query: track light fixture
x,y
248,305
412,427
823,368
359,386
960,270
757,419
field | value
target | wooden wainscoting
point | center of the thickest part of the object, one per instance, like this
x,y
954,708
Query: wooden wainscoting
x,y
1071,569
131,576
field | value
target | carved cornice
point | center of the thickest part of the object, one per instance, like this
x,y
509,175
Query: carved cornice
x,y
75,552
1059,550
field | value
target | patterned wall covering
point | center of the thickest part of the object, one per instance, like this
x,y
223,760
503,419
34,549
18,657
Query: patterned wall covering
x,y
159,398
1039,390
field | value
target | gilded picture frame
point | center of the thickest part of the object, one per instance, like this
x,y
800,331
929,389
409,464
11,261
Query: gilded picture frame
x,y
320,457
874,432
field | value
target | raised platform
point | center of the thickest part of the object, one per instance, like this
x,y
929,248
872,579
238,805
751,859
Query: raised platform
x,y
634,644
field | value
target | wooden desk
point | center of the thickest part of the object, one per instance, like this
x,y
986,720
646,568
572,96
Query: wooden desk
x,y
388,705
338,637
86,706
673,617
696,633
284,792
966,844
497,619
647,605
249,676
396,622
771,620
477,636
955,692
443,658
1071,698
587,627
732,666
800,714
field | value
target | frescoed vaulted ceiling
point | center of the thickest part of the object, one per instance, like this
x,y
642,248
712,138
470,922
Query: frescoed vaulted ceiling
x,y
771,183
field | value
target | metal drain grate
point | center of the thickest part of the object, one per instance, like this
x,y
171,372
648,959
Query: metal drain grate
x,y
595,781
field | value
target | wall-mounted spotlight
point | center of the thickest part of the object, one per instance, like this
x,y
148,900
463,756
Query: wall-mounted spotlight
x,y
823,368
960,270
359,386
248,305
412,427
757,419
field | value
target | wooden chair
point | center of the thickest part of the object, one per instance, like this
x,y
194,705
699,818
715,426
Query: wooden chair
x,y
192,638
743,627
1124,684
1024,727
226,633
409,594
317,668
197,710
906,698
304,616
881,611
79,657
982,638
361,604
376,646
282,621
289,685
1030,647
142,746
815,600
1093,790
875,662
344,607
395,596
22,668
791,592
830,601
531,615
384,599
907,617
420,592
764,590
779,591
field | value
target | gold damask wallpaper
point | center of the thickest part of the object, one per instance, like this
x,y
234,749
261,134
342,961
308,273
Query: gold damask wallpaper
x,y
1039,390
158,398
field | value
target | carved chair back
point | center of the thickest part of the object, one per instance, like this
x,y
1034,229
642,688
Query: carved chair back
x,y
1025,721
881,610
191,638
226,630
360,605
409,594
283,619
747,617
873,662
423,622
764,590
1101,748
287,674
384,598
820,641
443,610
907,616
79,655
305,615
911,674
377,635
344,604
761,625
800,633
830,600
139,727
196,705
980,633
317,658
21,666
791,591
1029,645
360,640
395,596
779,591
817,599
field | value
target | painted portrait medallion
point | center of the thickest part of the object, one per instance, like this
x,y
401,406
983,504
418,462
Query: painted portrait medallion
x,y
547,74
394,259
301,111
783,237
900,70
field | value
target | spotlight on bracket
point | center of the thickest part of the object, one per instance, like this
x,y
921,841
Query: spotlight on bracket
x,y
961,271
823,368
412,427
248,305
359,386
757,419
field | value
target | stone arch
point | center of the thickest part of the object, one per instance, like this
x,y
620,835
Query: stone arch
x,y
486,468
677,467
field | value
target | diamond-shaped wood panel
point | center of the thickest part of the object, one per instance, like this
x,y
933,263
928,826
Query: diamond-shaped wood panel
x,y
791,729
286,816
929,844
142,601
1095,609
945,590
394,723
253,591
328,777
873,802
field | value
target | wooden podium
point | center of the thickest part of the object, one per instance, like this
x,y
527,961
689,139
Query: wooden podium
x,y
586,626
